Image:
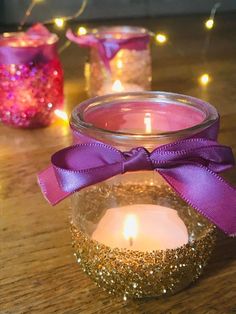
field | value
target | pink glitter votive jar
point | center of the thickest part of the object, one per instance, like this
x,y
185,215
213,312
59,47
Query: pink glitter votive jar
x,y
31,78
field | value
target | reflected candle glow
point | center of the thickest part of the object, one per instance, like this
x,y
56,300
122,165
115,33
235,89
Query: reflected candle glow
x,y
149,117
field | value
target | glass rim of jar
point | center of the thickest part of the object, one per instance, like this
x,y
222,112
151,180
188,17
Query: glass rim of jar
x,y
107,31
78,122
49,39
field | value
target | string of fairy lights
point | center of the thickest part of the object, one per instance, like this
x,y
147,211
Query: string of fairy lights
x,y
160,38
58,21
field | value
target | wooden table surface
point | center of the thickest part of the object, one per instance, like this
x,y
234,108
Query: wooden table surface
x,y
38,270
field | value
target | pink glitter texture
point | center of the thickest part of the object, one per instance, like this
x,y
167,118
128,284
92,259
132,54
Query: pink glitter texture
x,y
32,90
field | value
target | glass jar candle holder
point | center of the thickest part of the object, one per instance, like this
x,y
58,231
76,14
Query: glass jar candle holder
x,y
119,59
132,234
31,78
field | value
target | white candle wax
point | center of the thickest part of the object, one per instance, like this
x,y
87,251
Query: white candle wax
x,y
142,227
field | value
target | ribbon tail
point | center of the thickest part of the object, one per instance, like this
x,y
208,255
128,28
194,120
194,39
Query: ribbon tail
x,y
89,41
103,56
205,191
83,41
49,186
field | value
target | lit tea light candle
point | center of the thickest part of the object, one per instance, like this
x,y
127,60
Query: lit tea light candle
x,y
118,87
141,227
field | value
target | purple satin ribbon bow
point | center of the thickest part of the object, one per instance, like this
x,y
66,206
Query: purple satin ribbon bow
x,y
109,47
41,52
190,167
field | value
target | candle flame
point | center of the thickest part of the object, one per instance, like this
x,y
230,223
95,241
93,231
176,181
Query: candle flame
x,y
117,86
130,228
148,122
61,114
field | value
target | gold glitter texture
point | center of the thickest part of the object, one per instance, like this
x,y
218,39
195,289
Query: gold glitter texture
x,y
132,273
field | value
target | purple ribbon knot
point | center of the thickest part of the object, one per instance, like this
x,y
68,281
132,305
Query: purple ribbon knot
x,y
108,47
190,167
137,159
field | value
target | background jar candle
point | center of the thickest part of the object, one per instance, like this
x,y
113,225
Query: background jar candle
x,y
130,66
31,79
132,234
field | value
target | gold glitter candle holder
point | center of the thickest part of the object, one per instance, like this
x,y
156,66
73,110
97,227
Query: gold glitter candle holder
x,y
105,252
125,67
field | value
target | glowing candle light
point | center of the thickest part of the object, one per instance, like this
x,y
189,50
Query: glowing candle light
x,y
61,114
148,122
130,228
117,86
143,227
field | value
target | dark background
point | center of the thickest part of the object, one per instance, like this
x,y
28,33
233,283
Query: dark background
x,y
12,11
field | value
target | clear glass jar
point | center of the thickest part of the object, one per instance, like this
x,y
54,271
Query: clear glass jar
x,y
132,234
123,74
31,79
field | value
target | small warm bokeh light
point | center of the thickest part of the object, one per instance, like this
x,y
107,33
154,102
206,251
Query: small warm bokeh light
x,y
59,22
204,79
209,24
161,38
82,31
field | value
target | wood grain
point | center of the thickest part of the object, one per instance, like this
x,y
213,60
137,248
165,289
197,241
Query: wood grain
x,y
38,271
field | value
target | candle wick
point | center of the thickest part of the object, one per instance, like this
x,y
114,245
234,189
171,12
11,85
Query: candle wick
x,y
131,241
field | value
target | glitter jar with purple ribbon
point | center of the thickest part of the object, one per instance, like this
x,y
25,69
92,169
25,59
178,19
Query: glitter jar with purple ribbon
x,y
146,194
31,78
119,59
133,234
